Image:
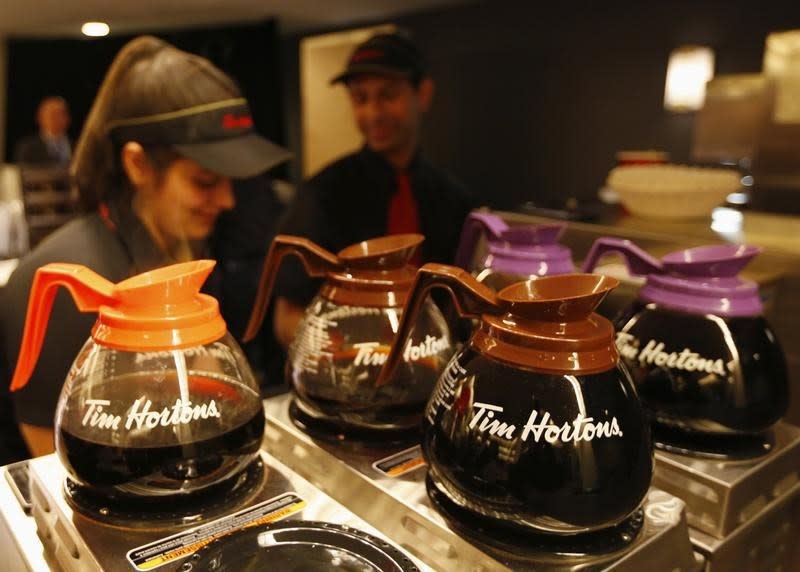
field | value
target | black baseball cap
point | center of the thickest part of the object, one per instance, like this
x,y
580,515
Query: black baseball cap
x,y
384,54
218,136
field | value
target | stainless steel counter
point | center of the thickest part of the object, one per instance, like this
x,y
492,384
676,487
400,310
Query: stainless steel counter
x,y
57,538
400,508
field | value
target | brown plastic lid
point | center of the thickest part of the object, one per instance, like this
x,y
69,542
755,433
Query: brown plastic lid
x,y
383,253
373,273
546,324
563,298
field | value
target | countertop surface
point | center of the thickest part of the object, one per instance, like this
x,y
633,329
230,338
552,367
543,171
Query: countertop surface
x,y
769,230
778,235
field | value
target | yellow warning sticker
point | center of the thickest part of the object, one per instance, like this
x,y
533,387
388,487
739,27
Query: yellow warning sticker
x,y
400,463
173,548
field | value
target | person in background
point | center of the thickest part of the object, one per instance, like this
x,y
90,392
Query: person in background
x,y
240,242
167,135
387,187
50,147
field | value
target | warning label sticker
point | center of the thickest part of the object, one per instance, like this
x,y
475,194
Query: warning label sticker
x,y
400,463
173,548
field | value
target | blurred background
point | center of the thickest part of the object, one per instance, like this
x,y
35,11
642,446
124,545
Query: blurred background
x,y
533,100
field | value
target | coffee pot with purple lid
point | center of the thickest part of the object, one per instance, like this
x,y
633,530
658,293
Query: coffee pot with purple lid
x,y
706,363
513,253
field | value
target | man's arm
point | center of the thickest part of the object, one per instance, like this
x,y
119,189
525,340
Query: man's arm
x,y
293,289
40,440
286,317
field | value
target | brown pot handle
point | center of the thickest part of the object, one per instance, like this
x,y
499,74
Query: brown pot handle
x,y
470,296
316,260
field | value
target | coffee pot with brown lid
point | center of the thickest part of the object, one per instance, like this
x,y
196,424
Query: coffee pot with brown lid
x,y
344,337
160,408
534,426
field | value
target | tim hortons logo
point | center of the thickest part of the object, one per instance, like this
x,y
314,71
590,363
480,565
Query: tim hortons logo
x,y
653,354
141,416
372,353
540,426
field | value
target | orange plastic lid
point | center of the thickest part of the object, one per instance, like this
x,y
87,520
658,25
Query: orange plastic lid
x,y
158,310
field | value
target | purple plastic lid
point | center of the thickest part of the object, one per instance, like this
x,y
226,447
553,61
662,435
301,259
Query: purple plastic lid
x,y
704,279
527,236
697,280
530,261
729,297
720,260
522,251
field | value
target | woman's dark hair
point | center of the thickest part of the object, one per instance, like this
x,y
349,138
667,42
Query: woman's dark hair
x,y
148,76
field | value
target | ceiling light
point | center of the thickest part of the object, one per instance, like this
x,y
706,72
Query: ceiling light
x,y
95,29
690,67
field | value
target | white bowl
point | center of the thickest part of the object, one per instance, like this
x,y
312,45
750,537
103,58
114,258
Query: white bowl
x,y
672,191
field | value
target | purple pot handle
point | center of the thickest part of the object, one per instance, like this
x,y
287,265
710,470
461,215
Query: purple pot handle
x,y
638,262
476,223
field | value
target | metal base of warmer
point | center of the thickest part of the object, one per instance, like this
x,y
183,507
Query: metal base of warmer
x,y
400,508
766,543
740,511
72,542
722,495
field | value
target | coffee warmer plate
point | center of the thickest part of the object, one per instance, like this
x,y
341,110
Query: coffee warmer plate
x,y
69,542
742,515
400,508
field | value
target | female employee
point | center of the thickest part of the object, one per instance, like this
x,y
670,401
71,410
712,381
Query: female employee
x,y
166,134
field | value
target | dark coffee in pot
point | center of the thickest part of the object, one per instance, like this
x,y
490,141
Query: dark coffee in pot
x,y
157,448
136,470
558,452
713,383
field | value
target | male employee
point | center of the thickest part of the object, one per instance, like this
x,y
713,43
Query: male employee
x,y
387,187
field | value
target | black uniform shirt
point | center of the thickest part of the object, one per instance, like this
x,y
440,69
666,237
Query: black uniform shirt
x,y
91,242
116,246
348,201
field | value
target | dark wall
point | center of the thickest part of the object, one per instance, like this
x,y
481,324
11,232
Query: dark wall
x,y
75,67
534,99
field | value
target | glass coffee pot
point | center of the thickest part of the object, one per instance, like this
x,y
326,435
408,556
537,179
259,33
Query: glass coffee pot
x,y
513,253
534,427
344,337
160,407
706,363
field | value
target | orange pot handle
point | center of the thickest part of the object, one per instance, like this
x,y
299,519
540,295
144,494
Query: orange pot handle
x,y
88,289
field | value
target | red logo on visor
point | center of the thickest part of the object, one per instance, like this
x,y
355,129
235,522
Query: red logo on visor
x,y
366,55
231,121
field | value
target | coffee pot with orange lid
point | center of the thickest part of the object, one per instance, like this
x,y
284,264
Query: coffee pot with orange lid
x,y
160,406
342,340
534,427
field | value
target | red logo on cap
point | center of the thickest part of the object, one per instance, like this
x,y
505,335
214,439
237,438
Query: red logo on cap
x,y
366,55
231,121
